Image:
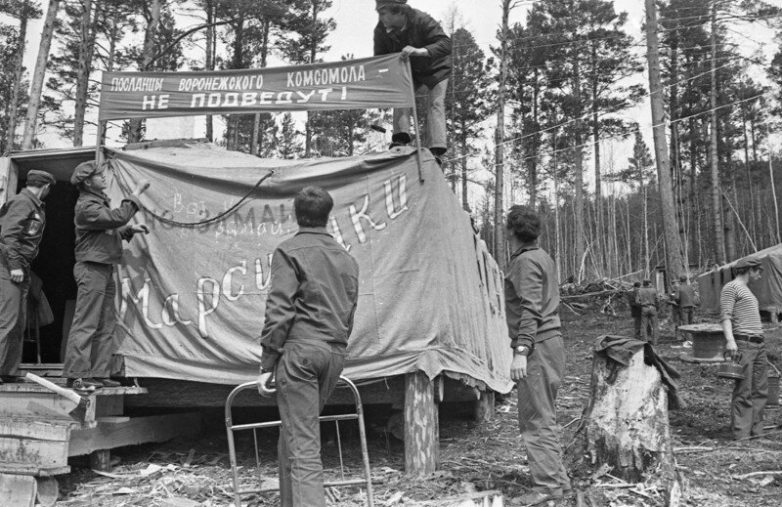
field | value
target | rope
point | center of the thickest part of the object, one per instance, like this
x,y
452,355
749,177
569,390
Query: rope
x,y
206,221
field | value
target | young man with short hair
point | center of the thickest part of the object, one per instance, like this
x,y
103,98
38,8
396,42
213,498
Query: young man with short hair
x,y
743,332
100,231
22,221
309,317
532,312
421,39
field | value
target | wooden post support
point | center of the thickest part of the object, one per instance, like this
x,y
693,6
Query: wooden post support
x,y
101,460
422,435
483,407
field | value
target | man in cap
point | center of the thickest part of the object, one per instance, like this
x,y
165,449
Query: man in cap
x,y
22,221
99,234
743,332
422,40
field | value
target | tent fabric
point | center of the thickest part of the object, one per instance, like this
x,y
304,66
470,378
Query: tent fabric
x,y
191,303
768,289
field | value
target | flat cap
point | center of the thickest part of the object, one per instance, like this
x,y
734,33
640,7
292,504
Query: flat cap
x,y
748,263
36,177
383,3
83,171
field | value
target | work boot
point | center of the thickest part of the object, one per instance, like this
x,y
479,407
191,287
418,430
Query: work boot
x,y
438,155
400,139
107,382
78,384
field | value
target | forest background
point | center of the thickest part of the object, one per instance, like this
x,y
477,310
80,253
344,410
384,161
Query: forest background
x,y
548,98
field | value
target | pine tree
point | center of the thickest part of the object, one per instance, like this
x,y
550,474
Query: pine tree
x,y
467,102
288,144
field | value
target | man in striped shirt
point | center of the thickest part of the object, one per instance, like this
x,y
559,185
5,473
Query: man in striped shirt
x,y
740,317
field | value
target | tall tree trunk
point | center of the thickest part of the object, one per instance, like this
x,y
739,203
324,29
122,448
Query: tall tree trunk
x,y
716,198
557,220
673,256
578,177
38,75
134,133
533,164
13,104
210,37
750,186
499,138
256,139
86,48
114,35
599,244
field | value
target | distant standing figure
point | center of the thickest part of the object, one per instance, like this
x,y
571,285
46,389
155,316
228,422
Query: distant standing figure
x,y
532,312
635,309
99,234
685,298
22,221
647,299
743,331
421,39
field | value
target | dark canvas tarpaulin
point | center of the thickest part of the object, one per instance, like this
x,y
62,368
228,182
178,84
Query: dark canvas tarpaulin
x,y
192,300
768,289
383,81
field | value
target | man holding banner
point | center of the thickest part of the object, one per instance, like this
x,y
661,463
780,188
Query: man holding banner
x,y
421,39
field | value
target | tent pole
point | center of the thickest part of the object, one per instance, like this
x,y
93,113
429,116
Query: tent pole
x,y
98,151
417,127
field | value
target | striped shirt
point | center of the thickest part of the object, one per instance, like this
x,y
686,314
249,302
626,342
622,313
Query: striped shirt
x,y
739,305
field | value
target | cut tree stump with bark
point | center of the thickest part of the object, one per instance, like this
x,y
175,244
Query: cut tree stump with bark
x,y
625,425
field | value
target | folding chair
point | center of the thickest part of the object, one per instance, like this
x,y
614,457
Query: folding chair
x,y
358,415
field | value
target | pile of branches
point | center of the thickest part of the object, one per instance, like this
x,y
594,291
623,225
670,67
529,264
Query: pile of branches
x,y
603,293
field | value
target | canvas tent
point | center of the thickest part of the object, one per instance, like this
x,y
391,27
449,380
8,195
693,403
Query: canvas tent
x,y
191,299
768,289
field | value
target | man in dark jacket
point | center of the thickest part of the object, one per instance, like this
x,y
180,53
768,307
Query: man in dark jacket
x,y
421,39
532,313
309,317
22,221
99,234
648,299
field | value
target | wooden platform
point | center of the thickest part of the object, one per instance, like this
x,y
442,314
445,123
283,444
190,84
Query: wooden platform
x,y
37,434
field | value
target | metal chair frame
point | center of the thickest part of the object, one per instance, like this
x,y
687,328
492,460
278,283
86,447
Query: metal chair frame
x,y
358,416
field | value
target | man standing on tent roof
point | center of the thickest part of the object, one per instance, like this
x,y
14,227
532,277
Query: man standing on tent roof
x,y
743,331
99,234
309,317
421,39
532,312
22,221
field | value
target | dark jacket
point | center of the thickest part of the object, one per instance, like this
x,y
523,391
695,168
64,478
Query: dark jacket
x,y
647,296
531,297
421,31
22,221
100,229
313,294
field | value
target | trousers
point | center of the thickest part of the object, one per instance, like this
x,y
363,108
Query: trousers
x,y
13,304
434,106
306,375
538,418
649,325
90,345
751,394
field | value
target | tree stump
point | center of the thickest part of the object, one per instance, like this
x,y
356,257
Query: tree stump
x,y
625,425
